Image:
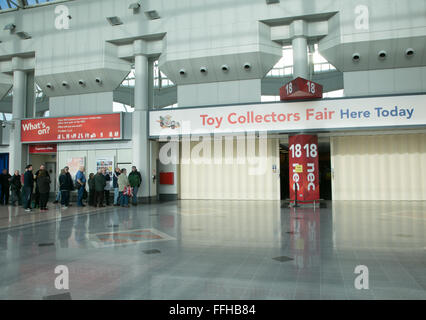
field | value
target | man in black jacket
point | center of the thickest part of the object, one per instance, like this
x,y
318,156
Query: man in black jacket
x,y
28,187
65,186
5,187
15,187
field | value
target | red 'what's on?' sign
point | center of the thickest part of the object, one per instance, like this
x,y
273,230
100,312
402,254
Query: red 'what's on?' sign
x,y
79,128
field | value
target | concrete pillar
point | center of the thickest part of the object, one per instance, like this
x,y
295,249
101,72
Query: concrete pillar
x,y
30,111
17,157
141,148
300,57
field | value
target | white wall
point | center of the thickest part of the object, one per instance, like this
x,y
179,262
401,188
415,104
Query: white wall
x,y
122,153
231,181
386,81
379,167
92,103
227,92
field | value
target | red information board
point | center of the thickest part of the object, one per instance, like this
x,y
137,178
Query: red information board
x,y
43,148
77,128
303,166
300,88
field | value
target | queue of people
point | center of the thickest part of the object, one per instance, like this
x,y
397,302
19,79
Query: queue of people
x,y
32,190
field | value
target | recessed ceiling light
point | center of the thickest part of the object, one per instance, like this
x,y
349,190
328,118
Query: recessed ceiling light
x,y
23,35
114,21
409,52
152,14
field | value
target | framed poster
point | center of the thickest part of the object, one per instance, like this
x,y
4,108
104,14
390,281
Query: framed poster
x,y
74,164
107,163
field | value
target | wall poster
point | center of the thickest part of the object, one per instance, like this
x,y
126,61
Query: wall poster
x,y
74,164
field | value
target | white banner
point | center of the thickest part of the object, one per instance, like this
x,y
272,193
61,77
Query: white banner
x,y
356,113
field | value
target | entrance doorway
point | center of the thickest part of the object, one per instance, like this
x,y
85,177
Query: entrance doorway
x,y
324,162
45,155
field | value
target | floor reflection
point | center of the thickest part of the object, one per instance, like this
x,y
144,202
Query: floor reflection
x,y
219,250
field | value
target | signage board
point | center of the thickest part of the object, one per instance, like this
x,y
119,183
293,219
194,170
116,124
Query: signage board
x,y
77,128
300,88
287,117
42,148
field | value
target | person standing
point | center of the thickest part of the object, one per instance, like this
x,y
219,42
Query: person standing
x,y
135,180
123,184
28,187
5,187
116,173
37,191
99,188
107,185
15,187
43,183
91,183
65,186
80,182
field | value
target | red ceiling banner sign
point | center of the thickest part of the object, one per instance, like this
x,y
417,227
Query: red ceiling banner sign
x,y
303,165
300,88
43,148
77,128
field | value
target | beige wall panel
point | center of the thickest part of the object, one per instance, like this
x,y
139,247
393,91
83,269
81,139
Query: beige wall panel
x,y
379,167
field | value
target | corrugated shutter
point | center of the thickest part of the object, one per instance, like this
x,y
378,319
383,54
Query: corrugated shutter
x,y
230,181
379,167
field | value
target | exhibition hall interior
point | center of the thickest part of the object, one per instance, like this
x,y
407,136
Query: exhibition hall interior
x,y
213,150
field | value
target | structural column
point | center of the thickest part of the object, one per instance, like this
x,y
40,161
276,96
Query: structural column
x,y
299,42
300,57
141,148
17,158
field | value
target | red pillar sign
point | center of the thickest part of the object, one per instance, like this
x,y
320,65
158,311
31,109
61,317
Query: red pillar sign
x,y
303,166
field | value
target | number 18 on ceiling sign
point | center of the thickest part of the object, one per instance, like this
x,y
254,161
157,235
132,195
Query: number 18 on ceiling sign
x,y
303,165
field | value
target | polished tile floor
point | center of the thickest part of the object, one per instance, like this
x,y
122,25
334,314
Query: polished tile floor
x,y
216,250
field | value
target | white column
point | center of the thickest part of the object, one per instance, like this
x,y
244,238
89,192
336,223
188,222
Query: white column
x,y
16,158
300,57
141,150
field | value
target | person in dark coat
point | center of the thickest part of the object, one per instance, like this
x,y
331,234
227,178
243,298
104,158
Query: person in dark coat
x,y
37,191
91,189
43,183
15,187
28,187
5,187
100,183
66,186
135,180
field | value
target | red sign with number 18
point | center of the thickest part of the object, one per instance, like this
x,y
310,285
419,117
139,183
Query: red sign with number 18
x,y
303,166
